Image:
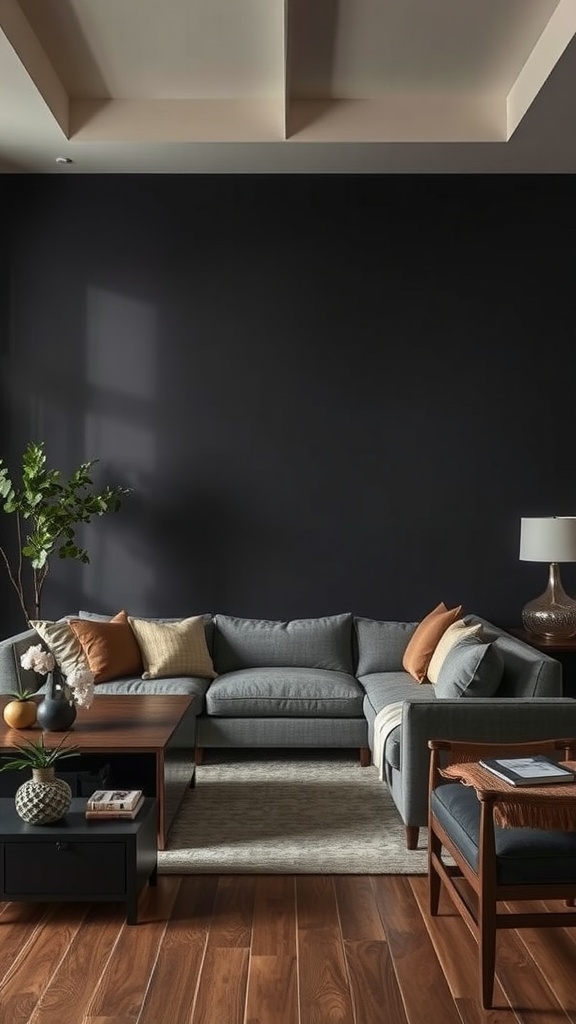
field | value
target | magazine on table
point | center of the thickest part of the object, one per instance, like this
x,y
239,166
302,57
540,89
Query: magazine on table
x,y
115,815
113,800
537,770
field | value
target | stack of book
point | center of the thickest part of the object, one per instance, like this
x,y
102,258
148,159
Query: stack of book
x,y
114,803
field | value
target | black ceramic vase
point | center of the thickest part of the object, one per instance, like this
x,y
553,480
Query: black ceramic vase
x,y
55,713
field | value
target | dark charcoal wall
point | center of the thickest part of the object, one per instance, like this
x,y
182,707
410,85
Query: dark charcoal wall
x,y
328,393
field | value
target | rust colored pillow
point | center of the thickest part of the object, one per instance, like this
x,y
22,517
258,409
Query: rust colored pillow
x,y
110,648
424,640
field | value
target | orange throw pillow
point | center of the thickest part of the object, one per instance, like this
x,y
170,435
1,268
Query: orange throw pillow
x,y
424,640
110,648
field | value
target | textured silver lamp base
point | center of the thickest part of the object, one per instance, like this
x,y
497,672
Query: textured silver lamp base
x,y
553,614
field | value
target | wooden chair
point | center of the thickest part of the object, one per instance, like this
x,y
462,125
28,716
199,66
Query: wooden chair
x,y
494,864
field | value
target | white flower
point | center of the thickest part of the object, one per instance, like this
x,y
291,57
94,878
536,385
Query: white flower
x,y
39,660
81,683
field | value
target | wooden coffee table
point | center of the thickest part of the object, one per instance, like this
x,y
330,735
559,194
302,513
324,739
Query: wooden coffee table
x,y
140,736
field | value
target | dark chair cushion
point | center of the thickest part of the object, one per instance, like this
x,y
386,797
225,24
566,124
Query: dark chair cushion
x,y
523,855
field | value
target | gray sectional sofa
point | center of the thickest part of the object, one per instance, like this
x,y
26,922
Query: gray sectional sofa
x,y
321,682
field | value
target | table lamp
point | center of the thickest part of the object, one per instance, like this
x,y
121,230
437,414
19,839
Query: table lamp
x,y
550,539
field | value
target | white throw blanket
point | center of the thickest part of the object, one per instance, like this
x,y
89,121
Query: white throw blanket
x,y
386,720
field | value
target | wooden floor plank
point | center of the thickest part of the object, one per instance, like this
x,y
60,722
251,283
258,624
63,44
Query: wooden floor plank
x,y
553,951
274,917
413,954
107,1020
71,988
50,941
324,989
18,926
221,995
125,977
272,996
523,985
316,905
449,932
231,924
359,917
373,983
177,970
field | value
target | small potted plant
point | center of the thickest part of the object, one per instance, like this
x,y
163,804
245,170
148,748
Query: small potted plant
x,y
43,798
20,712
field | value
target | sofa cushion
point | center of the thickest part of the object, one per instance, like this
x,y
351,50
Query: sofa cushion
x,y
322,643
110,647
384,688
173,648
457,631
285,693
189,686
425,638
471,669
381,645
63,643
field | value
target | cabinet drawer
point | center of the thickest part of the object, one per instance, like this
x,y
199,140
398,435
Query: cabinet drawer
x,y
59,866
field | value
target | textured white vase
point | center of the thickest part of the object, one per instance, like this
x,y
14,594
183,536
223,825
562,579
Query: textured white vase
x,y
43,798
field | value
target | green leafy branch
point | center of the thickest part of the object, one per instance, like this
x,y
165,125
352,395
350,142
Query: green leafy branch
x,y
48,510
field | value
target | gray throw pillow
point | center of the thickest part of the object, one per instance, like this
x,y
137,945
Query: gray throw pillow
x,y
471,668
324,642
381,645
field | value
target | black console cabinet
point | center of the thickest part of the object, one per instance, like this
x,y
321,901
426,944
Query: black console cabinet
x,y
76,859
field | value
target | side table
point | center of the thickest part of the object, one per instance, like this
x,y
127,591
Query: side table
x,y
563,650
78,859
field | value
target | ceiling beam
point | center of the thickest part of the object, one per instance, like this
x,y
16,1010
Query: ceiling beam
x,y
558,33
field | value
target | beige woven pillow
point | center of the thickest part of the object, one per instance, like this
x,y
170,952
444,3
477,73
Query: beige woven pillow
x,y
173,648
61,640
453,634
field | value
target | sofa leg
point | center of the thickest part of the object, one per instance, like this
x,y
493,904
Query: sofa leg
x,y
198,755
365,757
412,832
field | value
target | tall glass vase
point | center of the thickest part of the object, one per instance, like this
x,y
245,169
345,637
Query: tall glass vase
x,y
55,713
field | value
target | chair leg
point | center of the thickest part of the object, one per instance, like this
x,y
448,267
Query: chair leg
x,y
198,755
434,880
412,833
487,951
365,757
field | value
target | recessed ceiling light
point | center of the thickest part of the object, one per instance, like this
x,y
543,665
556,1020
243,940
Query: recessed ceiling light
x,y
64,160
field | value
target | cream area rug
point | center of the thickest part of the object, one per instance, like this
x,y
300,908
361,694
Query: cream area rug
x,y
288,812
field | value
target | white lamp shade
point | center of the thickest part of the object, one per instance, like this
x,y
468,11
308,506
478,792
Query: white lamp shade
x,y
550,539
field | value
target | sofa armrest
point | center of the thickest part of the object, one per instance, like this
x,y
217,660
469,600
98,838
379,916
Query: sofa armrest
x,y
480,718
12,675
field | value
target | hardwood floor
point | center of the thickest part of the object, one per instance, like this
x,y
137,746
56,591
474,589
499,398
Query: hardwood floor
x,y
273,949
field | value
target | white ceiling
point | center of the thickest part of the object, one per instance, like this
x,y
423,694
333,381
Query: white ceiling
x,y
364,86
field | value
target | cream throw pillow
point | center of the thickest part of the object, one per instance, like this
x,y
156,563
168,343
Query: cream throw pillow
x,y
453,634
61,640
173,648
